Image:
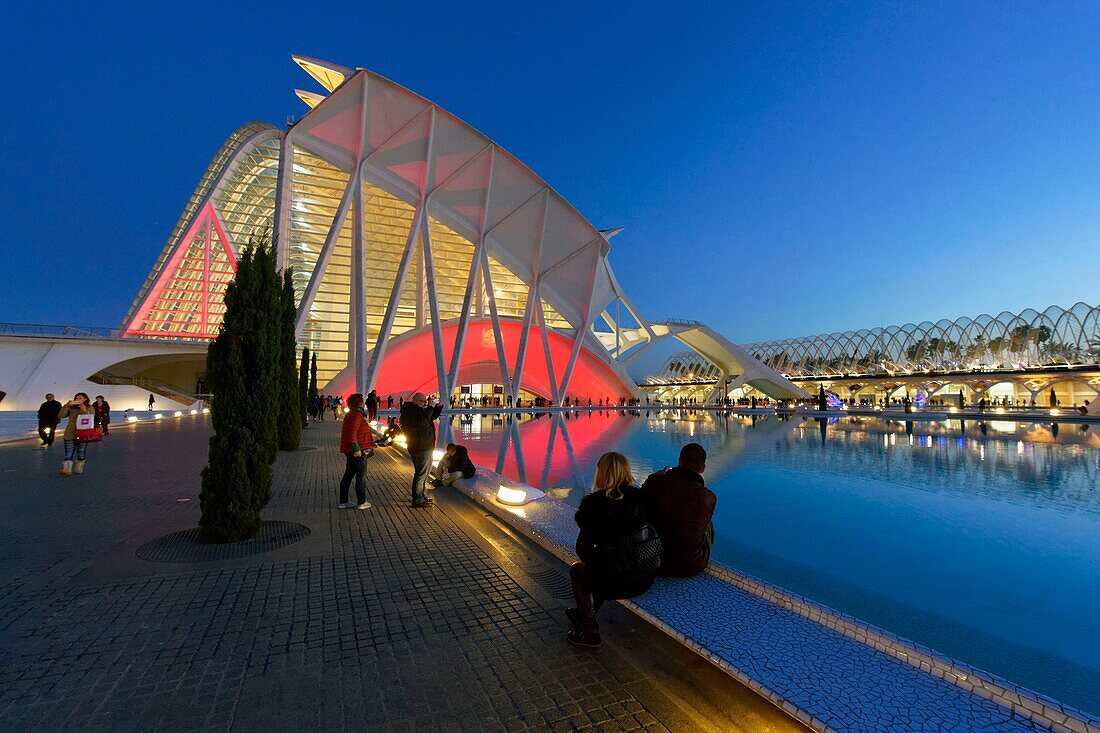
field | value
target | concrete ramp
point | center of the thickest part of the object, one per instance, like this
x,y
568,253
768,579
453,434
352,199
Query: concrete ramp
x,y
733,360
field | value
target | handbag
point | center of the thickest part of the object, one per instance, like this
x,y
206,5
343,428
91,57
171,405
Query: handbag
x,y
86,429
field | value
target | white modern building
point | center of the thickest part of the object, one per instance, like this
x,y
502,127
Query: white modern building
x,y
425,258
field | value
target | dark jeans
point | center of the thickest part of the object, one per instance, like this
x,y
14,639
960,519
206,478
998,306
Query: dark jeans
x,y
422,464
74,449
592,585
357,469
46,431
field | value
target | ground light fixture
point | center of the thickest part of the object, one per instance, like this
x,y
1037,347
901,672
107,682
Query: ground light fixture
x,y
131,418
157,416
178,413
402,441
194,412
517,495
437,456
206,410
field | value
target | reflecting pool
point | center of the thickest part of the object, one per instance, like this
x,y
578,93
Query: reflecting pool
x,y
979,539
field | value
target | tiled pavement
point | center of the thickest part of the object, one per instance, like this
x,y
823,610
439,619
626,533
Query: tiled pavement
x,y
386,619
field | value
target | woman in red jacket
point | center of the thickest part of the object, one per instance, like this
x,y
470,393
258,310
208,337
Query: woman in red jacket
x,y
357,445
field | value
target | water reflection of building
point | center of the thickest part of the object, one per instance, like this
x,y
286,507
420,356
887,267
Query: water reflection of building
x,y
557,451
1013,461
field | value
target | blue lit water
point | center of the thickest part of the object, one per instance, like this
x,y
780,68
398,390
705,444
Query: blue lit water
x,y
981,540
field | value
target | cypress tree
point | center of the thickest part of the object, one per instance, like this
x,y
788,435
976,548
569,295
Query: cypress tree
x,y
266,386
241,374
290,403
303,386
313,377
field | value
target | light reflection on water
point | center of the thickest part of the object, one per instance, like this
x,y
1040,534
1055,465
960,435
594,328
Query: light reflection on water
x,y
978,538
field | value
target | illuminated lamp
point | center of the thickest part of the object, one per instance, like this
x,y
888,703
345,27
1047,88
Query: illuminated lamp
x,y
953,410
437,456
194,412
401,440
517,496
157,416
1000,410
178,413
1055,412
206,410
131,418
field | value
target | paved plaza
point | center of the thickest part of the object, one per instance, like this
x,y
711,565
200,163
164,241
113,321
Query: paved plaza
x,y
385,619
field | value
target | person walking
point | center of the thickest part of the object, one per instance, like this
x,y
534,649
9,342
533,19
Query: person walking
x,y
418,423
74,449
49,413
102,410
681,507
372,405
151,402
618,550
357,445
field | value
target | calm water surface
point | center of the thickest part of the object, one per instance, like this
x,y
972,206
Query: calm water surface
x,y
980,539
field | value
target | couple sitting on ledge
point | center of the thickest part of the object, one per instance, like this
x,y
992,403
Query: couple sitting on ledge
x,y
629,535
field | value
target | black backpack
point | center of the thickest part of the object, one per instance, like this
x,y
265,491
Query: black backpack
x,y
636,548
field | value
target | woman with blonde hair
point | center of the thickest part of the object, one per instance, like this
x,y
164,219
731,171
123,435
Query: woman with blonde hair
x,y
619,550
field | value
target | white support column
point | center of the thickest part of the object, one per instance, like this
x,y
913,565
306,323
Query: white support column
x,y
582,329
618,329
473,282
283,193
433,305
326,252
357,330
395,298
555,393
532,298
494,318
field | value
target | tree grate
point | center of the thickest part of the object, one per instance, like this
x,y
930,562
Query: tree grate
x,y
557,583
185,547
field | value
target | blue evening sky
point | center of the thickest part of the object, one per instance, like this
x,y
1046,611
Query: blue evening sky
x,y
781,169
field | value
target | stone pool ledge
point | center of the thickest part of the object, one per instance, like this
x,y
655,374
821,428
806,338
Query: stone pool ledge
x,y
827,669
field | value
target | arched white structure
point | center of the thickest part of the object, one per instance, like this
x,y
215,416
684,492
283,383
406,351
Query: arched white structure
x,y
401,221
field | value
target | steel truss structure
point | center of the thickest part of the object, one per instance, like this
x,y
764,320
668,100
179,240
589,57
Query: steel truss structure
x,y
424,255
1030,340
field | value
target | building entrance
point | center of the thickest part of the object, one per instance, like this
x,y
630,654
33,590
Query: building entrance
x,y
487,395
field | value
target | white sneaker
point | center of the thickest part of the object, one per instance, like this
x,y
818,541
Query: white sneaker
x,y
364,505
345,505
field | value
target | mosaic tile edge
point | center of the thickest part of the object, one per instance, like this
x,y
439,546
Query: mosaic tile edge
x,y
549,523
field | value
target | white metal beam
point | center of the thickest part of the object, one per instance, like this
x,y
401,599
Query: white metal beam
x,y
395,297
494,318
326,252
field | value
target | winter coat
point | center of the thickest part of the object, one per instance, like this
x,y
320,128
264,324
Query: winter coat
x,y
49,413
680,507
418,424
71,413
355,433
599,517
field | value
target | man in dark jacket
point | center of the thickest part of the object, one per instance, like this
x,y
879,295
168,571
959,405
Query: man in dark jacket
x,y
48,418
680,507
418,424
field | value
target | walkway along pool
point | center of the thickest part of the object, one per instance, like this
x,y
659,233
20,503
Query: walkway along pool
x,y
979,539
